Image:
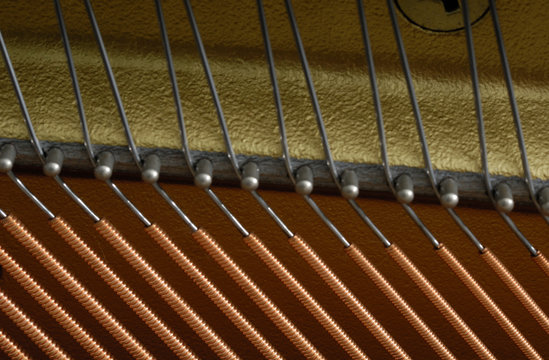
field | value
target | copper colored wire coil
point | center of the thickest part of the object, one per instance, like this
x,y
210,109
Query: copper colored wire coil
x,y
11,349
55,310
517,289
347,296
398,301
43,341
542,262
320,314
489,304
440,302
257,295
170,296
75,288
121,289
217,297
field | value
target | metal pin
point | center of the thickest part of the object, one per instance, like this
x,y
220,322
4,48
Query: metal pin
x,y
105,164
404,188
203,176
450,200
103,167
449,197
7,158
543,198
349,184
154,165
304,180
504,197
250,172
54,162
250,176
515,112
34,139
481,130
151,169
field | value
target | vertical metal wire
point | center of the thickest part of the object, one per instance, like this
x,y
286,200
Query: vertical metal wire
x,y
306,251
122,289
20,233
456,266
122,113
33,331
53,308
514,109
12,350
483,148
32,133
82,114
168,294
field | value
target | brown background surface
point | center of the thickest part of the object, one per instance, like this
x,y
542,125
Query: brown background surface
x,y
388,215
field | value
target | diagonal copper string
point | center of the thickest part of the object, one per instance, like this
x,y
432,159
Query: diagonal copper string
x,y
55,310
170,296
10,348
75,288
256,294
215,295
33,331
122,289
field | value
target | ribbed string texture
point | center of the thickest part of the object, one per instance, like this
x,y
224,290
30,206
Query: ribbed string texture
x,y
440,302
542,262
398,301
215,295
257,295
320,314
488,303
37,335
514,285
121,289
10,348
347,296
53,308
170,296
76,289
